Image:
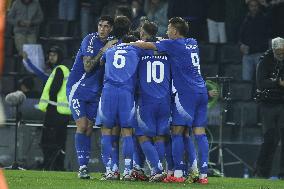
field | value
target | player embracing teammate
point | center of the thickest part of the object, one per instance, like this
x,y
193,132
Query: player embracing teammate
x,y
156,65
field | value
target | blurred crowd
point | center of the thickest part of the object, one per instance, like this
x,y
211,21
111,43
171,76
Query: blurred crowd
x,y
249,23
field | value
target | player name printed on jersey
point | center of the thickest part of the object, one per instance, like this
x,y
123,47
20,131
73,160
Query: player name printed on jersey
x,y
162,57
191,47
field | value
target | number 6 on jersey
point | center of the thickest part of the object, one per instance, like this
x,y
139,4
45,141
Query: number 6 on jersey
x,y
119,56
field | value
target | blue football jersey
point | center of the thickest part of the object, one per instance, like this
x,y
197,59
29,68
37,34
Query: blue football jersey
x,y
185,67
154,76
82,85
121,63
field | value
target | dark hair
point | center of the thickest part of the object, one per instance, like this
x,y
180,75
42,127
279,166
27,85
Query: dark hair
x,y
28,82
58,51
107,18
150,28
121,26
129,38
180,25
124,11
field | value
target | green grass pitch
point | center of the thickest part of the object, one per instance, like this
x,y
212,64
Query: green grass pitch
x,y
61,180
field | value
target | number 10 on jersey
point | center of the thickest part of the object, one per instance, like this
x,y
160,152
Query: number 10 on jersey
x,y
152,72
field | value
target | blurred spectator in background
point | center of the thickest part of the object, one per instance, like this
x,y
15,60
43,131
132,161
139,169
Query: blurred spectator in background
x,y
54,102
235,13
137,7
277,15
110,6
26,85
25,16
157,11
123,10
254,35
67,9
193,11
49,9
89,14
216,21
54,57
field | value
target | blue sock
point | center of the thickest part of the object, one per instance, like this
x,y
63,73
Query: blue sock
x,y
160,147
169,156
82,145
178,151
127,148
203,150
152,156
138,155
190,149
115,153
106,149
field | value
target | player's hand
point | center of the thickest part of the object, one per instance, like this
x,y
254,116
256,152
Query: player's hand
x,y
213,93
281,82
89,63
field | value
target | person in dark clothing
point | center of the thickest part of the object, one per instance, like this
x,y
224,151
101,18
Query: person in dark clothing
x,y
254,35
270,86
54,102
277,14
193,11
26,85
216,21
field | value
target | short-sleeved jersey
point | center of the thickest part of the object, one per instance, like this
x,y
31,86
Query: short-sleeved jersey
x,y
184,58
82,85
154,76
121,63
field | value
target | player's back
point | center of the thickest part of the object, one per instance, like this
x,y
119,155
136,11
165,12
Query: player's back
x,y
121,66
154,76
185,67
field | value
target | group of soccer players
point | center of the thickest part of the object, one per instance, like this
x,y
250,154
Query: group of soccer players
x,y
148,93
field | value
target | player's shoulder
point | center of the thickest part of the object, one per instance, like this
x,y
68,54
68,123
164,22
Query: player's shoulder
x,y
165,41
90,37
88,43
191,41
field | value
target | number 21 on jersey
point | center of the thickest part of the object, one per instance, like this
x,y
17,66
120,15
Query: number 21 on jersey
x,y
152,71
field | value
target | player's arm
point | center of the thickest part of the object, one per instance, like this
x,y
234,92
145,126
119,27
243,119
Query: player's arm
x,y
103,50
144,45
91,62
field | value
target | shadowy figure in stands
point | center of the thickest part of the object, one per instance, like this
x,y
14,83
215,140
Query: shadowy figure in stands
x,y
25,16
26,85
277,15
54,102
156,11
254,36
137,7
216,21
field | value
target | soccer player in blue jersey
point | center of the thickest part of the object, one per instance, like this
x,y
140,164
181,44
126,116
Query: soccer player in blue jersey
x,y
191,98
117,101
83,90
153,103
